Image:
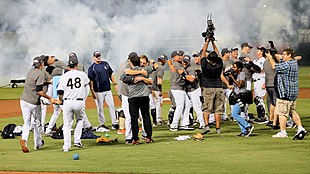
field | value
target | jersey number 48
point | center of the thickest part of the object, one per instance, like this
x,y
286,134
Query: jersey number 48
x,y
74,83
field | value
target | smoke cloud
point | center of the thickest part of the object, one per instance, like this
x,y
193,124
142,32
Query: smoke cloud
x,y
117,27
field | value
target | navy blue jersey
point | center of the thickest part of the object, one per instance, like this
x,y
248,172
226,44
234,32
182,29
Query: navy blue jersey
x,y
100,74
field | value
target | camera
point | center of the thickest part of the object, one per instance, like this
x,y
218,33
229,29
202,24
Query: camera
x,y
209,33
272,50
228,72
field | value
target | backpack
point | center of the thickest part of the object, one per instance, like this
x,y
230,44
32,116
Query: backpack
x,y
8,131
58,134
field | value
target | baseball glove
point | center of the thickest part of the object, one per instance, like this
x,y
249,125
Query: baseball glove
x,y
198,136
104,139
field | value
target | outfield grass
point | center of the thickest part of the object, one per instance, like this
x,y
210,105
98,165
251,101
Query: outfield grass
x,y
215,154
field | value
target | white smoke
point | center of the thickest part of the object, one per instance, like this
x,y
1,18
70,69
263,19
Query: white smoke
x,y
117,27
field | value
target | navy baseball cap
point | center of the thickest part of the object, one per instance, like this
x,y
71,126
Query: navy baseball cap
x,y
187,58
37,60
224,51
162,57
196,54
263,49
96,54
73,60
176,53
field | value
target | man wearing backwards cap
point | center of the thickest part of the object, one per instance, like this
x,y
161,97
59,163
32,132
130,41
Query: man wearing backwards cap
x,y
100,73
71,91
30,104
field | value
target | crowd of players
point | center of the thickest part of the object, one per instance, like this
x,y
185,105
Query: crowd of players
x,y
204,85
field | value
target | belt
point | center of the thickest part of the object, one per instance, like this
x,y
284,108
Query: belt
x,y
81,99
256,80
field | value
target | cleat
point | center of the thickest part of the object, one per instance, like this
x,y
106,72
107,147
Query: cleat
x,y
23,143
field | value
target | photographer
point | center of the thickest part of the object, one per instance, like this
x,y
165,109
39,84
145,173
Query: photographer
x,y
239,88
286,88
211,81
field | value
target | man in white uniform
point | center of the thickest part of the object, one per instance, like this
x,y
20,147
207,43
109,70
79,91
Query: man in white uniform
x,y
71,90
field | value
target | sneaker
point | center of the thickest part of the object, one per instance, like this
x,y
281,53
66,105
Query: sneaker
x,y
48,132
300,135
218,131
240,135
186,128
201,127
135,142
280,135
263,120
79,145
102,128
269,123
128,141
206,130
65,150
275,127
121,131
23,143
39,146
115,126
249,131
173,129
149,140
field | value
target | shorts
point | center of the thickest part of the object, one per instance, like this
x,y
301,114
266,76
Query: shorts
x,y
213,100
271,95
285,107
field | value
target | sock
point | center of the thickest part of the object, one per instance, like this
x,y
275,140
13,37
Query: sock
x,y
283,132
300,128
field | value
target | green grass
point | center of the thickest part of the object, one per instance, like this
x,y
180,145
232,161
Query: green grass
x,y
215,154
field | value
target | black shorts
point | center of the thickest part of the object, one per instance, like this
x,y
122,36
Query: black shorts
x,y
271,95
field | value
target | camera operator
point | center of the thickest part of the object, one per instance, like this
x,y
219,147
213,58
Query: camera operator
x,y
211,81
238,108
286,88
259,87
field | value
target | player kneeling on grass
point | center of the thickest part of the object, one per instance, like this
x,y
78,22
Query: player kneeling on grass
x,y
238,99
30,104
71,91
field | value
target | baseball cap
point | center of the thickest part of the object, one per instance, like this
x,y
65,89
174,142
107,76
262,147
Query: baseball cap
x,y
187,58
196,54
162,57
245,44
37,60
263,49
97,54
225,50
132,54
72,55
176,53
234,49
73,60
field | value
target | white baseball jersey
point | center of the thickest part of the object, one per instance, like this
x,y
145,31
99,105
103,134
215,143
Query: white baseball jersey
x,y
259,62
73,84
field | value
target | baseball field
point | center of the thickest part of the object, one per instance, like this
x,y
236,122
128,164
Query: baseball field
x,y
225,153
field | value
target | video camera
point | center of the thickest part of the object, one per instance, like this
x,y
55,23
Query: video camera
x,y
272,50
209,33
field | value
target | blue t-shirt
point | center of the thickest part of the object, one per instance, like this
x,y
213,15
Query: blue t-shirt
x,y
100,74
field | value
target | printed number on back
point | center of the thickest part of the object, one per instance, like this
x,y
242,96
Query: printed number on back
x,y
74,83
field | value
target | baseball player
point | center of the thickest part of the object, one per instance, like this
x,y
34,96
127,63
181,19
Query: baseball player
x,y
30,104
71,90
156,97
193,89
100,73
